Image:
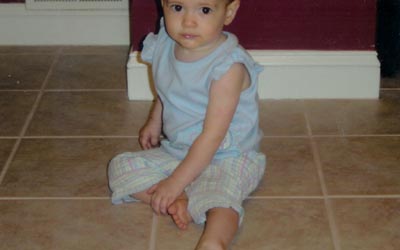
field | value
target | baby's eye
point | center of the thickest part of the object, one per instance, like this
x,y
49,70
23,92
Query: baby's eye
x,y
206,10
176,8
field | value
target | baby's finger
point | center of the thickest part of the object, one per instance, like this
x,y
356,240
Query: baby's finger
x,y
164,206
143,142
154,141
152,189
146,146
155,205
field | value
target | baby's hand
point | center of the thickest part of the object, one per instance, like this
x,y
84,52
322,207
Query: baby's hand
x,y
149,135
164,194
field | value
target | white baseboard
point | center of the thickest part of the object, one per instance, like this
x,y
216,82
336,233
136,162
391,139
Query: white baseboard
x,y
19,26
293,75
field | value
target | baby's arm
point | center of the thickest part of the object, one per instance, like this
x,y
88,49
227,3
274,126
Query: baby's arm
x,y
223,99
149,135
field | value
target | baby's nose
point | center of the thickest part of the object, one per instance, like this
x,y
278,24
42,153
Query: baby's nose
x,y
189,20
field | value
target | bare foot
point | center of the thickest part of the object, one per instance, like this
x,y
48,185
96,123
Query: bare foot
x,y
179,213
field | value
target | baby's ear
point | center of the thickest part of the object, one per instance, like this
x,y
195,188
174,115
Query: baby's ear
x,y
231,11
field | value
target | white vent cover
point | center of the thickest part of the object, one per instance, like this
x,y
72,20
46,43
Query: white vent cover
x,y
77,4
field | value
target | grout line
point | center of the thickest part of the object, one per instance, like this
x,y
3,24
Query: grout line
x,y
40,95
28,53
285,136
153,233
19,90
285,197
136,136
53,198
389,89
384,196
28,119
330,136
96,53
9,137
330,197
332,224
85,90
63,50
355,135
317,161
328,206
9,159
316,157
79,136
102,90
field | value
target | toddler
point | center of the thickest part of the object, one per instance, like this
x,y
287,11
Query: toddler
x,y
207,108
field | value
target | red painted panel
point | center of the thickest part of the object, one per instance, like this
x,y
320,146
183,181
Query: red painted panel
x,y
144,18
286,24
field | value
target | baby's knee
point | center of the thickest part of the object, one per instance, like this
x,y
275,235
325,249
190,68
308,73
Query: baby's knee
x,y
119,165
123,159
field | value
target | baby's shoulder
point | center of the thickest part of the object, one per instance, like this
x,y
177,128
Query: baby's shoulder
x,y
237,55
152,43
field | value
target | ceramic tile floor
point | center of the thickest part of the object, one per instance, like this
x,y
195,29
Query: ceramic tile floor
x,y
332,182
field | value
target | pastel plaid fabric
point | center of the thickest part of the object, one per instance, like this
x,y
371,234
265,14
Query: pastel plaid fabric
x,y
225,183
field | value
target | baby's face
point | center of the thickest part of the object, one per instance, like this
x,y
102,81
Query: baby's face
x,y
195,24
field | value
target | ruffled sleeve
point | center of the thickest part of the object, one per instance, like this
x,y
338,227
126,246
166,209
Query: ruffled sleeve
x,y
238,56
222,68
151,42
149,46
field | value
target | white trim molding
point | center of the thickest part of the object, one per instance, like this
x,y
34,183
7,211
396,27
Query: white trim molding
x,y
21,26
292,75
76,4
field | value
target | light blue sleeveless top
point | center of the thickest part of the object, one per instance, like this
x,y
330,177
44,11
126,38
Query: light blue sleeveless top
x,y
183,88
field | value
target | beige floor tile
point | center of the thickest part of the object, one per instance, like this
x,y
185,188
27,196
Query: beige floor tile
x,y
89,72
356,117
368,224
73,224
284,224
325,116
24,71
361,165
169,237
282,118
6,146
375,117
63,167
99,50
290,168
29,49
88,113
14,109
